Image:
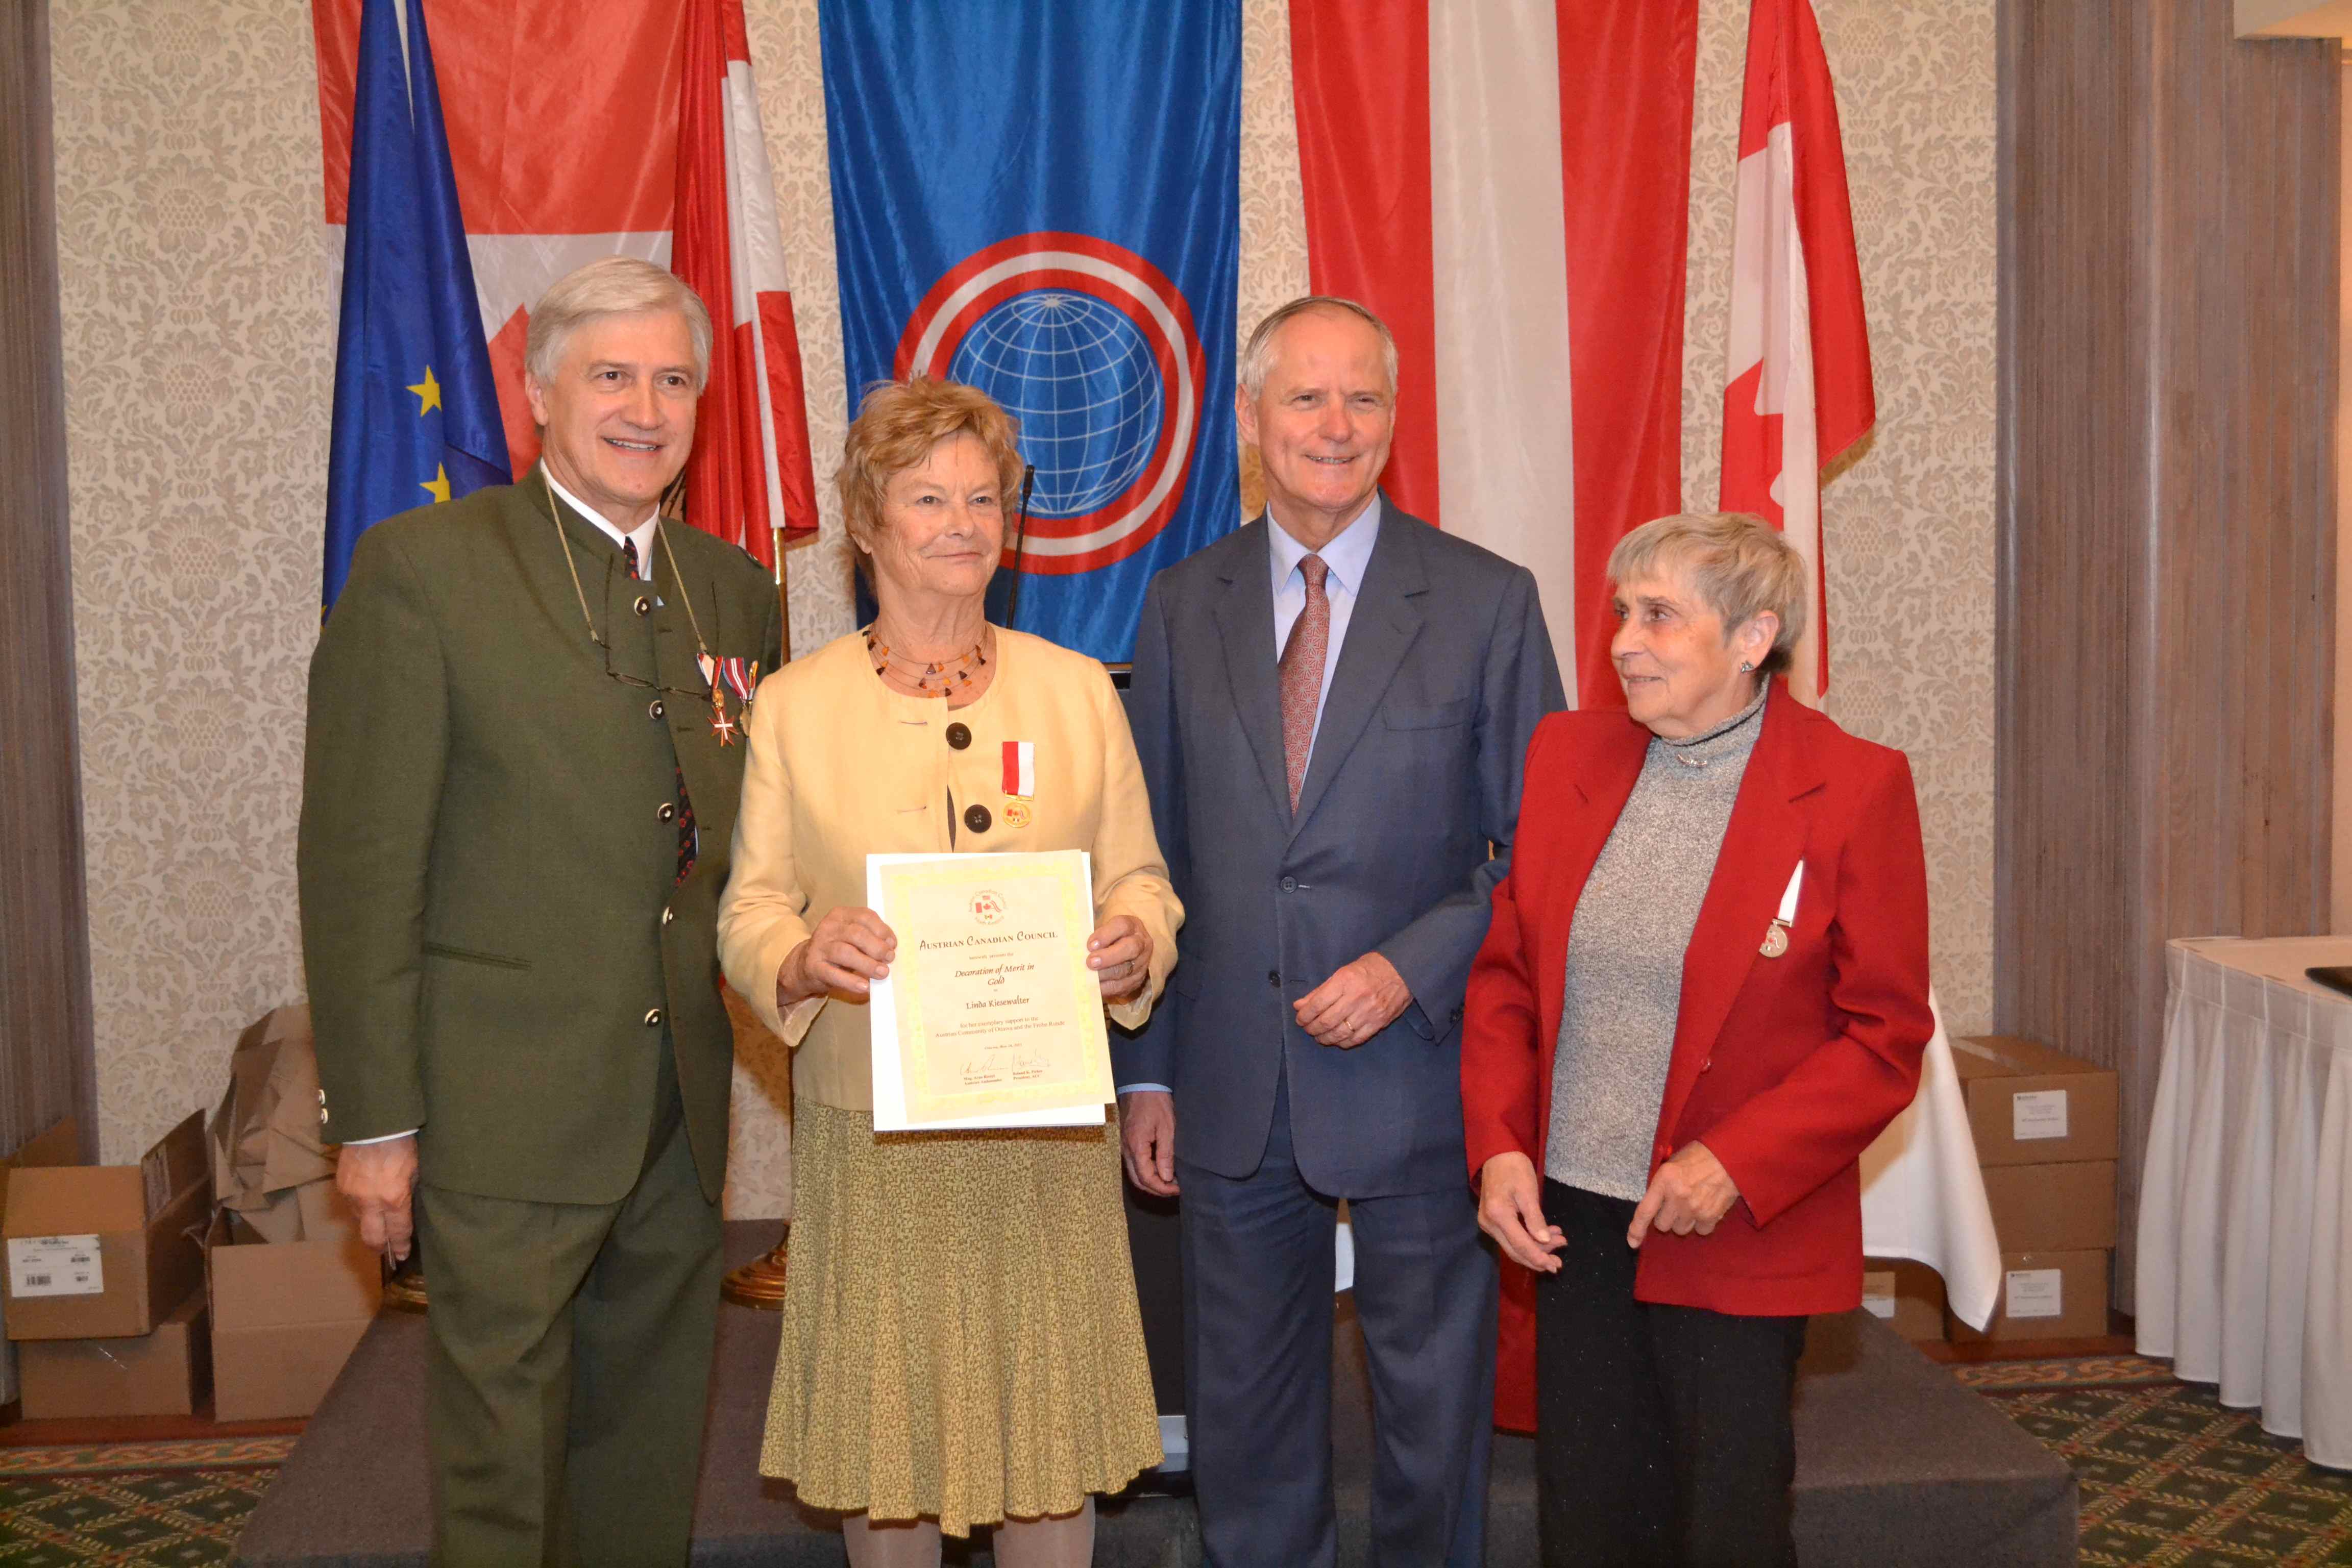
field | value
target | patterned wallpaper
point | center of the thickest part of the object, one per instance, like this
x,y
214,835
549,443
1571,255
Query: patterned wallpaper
x,y
199,348
1909,529
199,321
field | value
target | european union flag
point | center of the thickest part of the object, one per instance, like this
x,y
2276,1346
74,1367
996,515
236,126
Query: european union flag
x,y
417,416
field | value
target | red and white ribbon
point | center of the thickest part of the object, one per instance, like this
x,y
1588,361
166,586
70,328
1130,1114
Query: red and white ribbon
x,y
1021,768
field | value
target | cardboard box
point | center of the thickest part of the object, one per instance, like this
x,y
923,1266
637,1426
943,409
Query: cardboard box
x,y
2028,1105
2044,1296
107,1252
2053,1208
286,1315
157,1374
1908,1297
59,1145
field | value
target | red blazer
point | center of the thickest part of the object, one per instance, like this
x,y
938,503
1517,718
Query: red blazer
x,y
1785,1068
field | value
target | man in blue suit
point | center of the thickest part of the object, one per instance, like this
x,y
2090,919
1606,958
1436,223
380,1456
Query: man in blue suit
x,y
1332,705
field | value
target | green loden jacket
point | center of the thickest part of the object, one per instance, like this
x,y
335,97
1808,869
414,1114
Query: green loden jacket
x,y
495,945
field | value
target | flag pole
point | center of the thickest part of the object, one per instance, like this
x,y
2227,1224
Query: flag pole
x,y
784,595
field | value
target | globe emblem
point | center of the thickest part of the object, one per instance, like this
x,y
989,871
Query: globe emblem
x,y
1081,378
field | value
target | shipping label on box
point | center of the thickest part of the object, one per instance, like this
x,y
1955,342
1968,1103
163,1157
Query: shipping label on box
x,y
59,1145
131,1258
56,1265
2036,1292
2045,1296
2038,1113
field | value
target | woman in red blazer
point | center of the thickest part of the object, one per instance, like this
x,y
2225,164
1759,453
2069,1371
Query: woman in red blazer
x,y
1704,993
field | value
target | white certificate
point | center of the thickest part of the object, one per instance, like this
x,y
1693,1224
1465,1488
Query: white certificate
x,y
990,1016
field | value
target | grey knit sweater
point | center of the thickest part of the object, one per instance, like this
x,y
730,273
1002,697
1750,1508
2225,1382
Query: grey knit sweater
x,y
1625,949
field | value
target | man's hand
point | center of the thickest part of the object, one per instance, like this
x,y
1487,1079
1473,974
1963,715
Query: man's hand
x,y
1510,1209
1690,1193
1119,953
849,950
377,1179
1357,1003
1147,1135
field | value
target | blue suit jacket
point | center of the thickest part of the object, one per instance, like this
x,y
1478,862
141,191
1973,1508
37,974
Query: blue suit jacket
x,y
1402,829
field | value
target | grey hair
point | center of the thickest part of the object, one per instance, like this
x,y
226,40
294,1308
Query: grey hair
x,y
611,286
1257,359
1741,564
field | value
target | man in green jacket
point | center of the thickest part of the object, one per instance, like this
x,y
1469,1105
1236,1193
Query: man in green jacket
x,y
520,781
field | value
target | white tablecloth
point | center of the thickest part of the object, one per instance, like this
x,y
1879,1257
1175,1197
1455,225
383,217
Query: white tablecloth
x,y
1923,1194
2245,1231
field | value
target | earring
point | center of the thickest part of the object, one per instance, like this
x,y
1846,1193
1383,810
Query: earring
x,y
1744,667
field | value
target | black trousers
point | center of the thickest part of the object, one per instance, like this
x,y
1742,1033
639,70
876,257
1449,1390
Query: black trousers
x,y
1662,1433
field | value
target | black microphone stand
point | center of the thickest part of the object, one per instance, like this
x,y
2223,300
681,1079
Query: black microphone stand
x,y
1020,537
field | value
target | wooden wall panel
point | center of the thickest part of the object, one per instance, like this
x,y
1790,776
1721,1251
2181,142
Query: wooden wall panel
x,y
2166,568
45,1061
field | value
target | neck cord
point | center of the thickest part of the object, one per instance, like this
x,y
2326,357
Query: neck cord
x,y
660,537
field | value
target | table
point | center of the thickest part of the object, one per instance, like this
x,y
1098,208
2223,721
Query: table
x,y
2245,1230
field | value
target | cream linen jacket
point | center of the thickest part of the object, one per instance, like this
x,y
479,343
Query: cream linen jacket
x,y
842,767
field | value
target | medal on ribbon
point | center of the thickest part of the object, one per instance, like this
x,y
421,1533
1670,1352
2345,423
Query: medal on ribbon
x,y
745,679
1020,782
720,724
722,676
1776,939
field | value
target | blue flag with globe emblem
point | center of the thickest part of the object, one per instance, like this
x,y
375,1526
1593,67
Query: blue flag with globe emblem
x,y
1042,199
415,414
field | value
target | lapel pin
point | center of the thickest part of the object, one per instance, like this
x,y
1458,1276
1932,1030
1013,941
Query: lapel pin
x,y
1776,940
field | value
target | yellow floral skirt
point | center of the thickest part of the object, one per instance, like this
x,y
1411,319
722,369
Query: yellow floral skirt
x,y
961,1338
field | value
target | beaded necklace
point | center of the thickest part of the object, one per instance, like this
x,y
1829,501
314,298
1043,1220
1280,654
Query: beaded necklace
x,y
929,678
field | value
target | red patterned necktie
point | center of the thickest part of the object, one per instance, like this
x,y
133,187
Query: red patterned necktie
x,y
1301,669
685,802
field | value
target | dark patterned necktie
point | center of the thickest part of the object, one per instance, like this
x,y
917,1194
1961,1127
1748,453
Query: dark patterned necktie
x,y
684,802
1301,669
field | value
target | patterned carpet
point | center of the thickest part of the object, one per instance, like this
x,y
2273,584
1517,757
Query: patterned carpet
x,y
2169,1476
2170,1479
131,1505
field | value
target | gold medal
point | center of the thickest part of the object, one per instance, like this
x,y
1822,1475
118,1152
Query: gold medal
x,y
721,725
1775,940
1017,813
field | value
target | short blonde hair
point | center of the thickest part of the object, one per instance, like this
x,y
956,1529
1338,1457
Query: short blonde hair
x,y
1740,564
613,286
1257,359
899,423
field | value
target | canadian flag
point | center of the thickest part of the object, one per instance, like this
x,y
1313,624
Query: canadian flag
x,y
581,128
1800,396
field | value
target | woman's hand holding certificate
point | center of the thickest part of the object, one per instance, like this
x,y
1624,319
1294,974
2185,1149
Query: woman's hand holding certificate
x,y
991,1014
850,949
